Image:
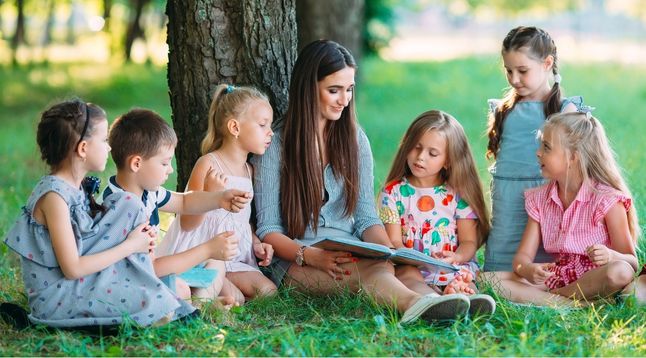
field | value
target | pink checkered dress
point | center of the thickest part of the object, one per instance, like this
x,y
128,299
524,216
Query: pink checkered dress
x,y
567,233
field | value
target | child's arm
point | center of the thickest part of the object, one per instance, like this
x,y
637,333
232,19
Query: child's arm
x,y
198,202
262,250
55,214
621,243
200,176
467,243
394,232
223,247
523,264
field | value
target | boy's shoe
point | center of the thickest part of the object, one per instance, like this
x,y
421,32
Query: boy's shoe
x,y
434,308
481,305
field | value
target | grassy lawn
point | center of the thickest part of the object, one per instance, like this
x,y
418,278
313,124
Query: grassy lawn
x,y
389,96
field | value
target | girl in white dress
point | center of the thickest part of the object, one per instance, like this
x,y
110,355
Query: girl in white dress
x,y
239,123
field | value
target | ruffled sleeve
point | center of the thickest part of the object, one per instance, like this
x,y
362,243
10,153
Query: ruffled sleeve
x,y
463,210
30,239
577,101
388,208
606,199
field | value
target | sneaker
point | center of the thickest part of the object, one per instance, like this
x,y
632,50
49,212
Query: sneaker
x,y
434,308
481,305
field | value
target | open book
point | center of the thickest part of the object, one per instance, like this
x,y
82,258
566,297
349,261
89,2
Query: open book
x,y
377,251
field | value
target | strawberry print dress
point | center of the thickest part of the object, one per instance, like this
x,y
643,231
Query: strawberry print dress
x,y
125,289
428,219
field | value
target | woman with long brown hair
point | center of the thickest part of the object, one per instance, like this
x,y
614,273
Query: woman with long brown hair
x,y
316,181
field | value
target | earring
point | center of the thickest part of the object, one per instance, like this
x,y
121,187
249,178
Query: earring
x,y
237,136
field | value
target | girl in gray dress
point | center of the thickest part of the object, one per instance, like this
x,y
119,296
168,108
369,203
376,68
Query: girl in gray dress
x,y
85,264
530,61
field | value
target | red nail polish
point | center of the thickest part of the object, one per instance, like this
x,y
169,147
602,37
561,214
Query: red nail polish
x,y
347,272
354,259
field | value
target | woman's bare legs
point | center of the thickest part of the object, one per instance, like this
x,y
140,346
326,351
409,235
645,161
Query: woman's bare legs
x,y
376,277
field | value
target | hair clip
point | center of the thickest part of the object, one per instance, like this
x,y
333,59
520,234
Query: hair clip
x,y
91,185
587,110
557,78
229,89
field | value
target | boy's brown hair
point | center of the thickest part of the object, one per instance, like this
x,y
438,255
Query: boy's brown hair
x,y
139,132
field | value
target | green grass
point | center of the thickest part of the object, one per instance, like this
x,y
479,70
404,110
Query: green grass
x,y
389,96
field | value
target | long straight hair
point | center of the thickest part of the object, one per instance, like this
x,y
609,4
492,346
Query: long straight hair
x,y
301,180
584,135
460,173
538,45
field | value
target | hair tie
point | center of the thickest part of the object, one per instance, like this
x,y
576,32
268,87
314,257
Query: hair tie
x,y
91,185
229,89
557,78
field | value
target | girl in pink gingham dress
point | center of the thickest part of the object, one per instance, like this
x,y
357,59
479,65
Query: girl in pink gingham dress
x,y
583,216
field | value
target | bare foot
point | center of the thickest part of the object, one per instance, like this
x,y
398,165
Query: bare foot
x,y
228,302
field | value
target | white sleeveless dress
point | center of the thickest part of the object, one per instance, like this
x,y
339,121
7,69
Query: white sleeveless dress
x,y
216,221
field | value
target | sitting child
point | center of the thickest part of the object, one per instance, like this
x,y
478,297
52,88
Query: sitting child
x,y
84,265
433,203
144,145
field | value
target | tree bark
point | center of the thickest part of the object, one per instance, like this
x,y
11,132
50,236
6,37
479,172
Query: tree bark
x,y
242,42
336,20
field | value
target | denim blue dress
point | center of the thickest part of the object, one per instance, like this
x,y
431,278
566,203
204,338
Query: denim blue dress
x,y
127,288
516,169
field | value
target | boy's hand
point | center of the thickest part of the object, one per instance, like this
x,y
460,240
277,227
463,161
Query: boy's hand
x,y
214,181
538,273
142,238
224,246
263,251
234,200
598,254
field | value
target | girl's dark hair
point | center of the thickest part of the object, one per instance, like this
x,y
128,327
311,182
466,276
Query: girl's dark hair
x,y
61,129
301,180
539,45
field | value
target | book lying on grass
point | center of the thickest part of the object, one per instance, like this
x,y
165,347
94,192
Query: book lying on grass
x,y
377,251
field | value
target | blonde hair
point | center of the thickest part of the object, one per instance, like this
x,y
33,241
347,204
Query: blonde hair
x,y
460,173
228,102
583,134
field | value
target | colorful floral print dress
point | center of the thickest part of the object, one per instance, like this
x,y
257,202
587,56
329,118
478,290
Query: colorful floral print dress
x,y
428,219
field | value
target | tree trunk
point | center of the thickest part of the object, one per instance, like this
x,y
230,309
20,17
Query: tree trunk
x,y
243,42
336,20
134,27
19,35
107,10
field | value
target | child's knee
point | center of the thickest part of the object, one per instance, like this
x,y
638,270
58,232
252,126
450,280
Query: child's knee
x,y
267,288
619,273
